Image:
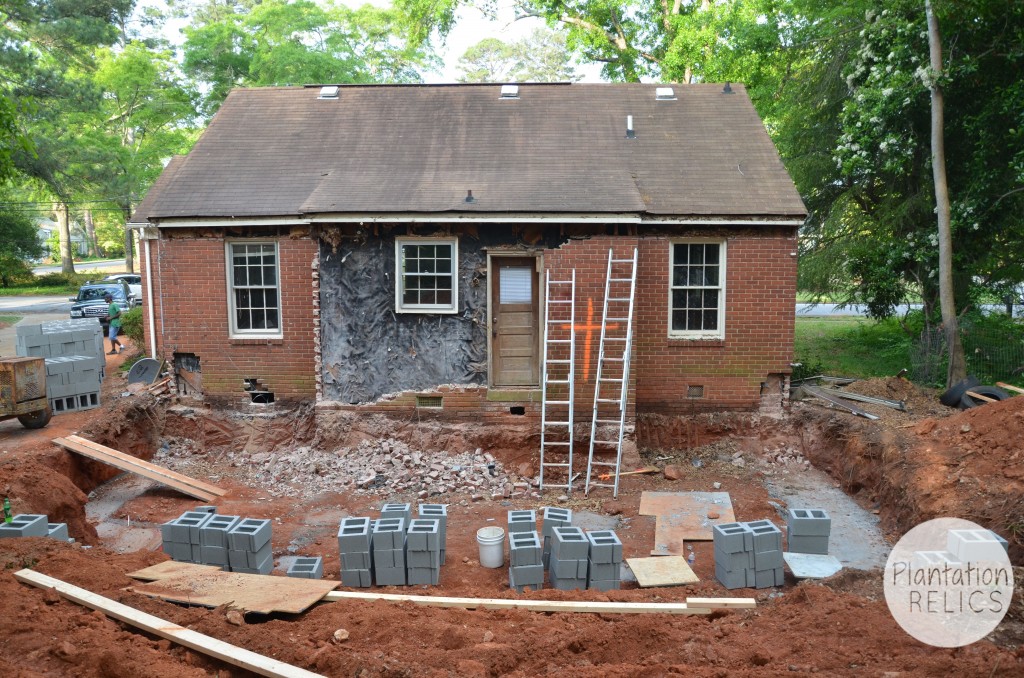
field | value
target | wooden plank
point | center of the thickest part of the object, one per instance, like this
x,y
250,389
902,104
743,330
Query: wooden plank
x,y
983,398
152,472
232,654
723,603
212,587
683,516
1010,387
169,569
519,604
188,480
662,571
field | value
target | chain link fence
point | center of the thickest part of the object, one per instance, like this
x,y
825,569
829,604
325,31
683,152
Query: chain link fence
x,y
992,354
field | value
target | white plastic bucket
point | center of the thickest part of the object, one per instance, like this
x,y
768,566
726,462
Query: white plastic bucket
x,y
492,546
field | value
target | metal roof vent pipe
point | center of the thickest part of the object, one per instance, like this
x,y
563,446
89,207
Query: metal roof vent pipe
x,y
630,134
727,89
469,196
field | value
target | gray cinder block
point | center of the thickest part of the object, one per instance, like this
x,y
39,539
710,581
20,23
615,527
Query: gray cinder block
x,y
25,525
255,558
525,548
238,560
205,509
356,578
768,560
766,537
194,521
403,511
732,537
602,571
604,584
179,552
422,576
57,531
423,535
307,568
214,532
390,576
431,559
526,575
569,542
736,579
975,545
249,534
213,555
808,522
765,579
388,533
356,560
605,546
354,535
817,545
733,562
522,521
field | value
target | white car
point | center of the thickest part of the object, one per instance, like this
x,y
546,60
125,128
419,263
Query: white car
x,y
134,281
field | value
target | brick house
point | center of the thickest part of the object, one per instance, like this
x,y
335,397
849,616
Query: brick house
x,y
384,248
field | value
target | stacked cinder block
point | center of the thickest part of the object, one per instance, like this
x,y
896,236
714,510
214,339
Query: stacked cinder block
x,y
354,545
748,555
75,363
307,568
25,525
438,512
213,539
570,553
526,561
249,546
807,531
388,546
423,551
181,536
976,545
522,521
553,517
403,511
605,561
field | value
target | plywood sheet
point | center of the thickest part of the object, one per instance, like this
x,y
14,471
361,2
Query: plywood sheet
x,y
212,587
811,566
683,516
169,569
662,571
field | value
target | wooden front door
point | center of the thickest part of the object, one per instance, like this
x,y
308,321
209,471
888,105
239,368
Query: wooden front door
x,y
515,331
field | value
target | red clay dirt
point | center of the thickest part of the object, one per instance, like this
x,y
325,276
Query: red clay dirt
x,y
839,627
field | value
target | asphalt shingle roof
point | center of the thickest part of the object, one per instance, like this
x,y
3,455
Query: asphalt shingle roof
x,y
557,148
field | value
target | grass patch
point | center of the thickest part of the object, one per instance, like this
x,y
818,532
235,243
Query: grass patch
x,y
852,347
39,291
8,320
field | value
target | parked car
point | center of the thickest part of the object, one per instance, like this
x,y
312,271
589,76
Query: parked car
x,y
134,281
90,304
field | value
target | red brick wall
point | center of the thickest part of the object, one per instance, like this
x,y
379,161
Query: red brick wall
x,y
192,317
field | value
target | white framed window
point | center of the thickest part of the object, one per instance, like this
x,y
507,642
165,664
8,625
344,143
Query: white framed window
x,y
254,295
426,275
697,289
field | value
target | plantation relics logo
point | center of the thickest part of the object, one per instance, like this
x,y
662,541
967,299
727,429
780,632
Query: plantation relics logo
x,y
948,582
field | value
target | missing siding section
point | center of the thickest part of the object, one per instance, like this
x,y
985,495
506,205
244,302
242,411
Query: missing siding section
x,y
258,393
517,409
188,375
694,391
434,402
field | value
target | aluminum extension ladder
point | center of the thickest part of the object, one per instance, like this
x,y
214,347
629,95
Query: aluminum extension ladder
x,y
611,386
558,379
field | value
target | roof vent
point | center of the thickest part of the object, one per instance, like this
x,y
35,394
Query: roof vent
x,y
727,89
664,94
510,91
630,134
328,92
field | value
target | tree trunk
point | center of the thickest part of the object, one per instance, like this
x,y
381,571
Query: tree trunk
x,y
947,302
129,242
67,256
90,233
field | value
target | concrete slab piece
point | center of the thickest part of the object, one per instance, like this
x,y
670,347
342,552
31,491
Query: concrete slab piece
x,y
685,516
662,571
811,566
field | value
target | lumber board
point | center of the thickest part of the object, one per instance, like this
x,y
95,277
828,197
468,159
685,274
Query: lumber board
x,y
170,569
1010,387
194,482
662,571
212,587
723,603
519,604
183,484
983,398
232,654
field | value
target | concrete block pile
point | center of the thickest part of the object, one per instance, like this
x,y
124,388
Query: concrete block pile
x,y
748,555
438,512
605,561
388,544
570,555
354,545
234,543
553,517
307,568
75,361
33,525
807,531
423,552
526,564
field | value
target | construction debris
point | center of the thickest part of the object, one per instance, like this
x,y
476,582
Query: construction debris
x,y
836,400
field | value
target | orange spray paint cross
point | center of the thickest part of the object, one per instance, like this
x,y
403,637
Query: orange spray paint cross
x,y
589,328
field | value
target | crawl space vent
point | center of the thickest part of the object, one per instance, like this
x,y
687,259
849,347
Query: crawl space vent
x,y
429,401
695,392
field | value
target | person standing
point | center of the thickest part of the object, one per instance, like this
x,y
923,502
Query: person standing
x,y
114,314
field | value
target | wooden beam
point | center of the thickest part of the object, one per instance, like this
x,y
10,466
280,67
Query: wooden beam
x,y
182,483
723,603
1010,387
982,398
518,604
232,654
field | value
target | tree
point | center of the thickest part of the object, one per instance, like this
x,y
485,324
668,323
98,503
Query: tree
x,y
19,241
540,57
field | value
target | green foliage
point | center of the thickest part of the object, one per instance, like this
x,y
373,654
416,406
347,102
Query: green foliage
x,y
852,347
132,326
541,57
18,244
